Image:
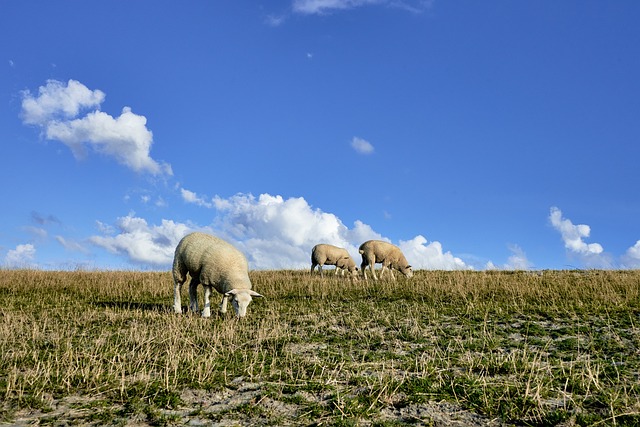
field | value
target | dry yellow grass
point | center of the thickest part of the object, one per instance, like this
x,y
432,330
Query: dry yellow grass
x,y
525,348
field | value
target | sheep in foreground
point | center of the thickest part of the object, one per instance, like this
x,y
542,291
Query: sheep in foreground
x,y
376,252
323,254
214,263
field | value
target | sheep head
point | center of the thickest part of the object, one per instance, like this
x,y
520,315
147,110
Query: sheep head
x,y
240,299
407,271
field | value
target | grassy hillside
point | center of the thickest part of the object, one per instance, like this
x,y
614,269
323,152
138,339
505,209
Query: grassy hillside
x,y
477,348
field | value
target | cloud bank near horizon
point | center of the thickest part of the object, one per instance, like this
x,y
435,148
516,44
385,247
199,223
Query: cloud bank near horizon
x,y
60,111
22,256
273,232
278,233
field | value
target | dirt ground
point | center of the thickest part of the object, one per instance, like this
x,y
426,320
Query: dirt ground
x,y
229,408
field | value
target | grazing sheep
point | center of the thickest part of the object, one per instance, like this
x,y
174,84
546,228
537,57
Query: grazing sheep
x,y
214,263
376,252
323,254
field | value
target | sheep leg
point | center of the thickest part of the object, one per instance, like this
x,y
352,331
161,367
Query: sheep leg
x,y
206,311
390,270
177,303
223,305
372,267
385,268
313,265
193,294
363,267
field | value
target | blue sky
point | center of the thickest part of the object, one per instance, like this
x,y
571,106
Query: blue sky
x,y
472,134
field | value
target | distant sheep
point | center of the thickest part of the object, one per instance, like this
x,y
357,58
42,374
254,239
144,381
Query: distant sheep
x,y
214,263
323,254
376,252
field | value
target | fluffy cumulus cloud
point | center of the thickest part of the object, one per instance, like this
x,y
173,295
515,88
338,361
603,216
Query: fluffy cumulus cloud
x,y
430,256
191,197
273,232
362,146
573,235
277,233
59,101
140,242
20,257
591,254
60,110
631,259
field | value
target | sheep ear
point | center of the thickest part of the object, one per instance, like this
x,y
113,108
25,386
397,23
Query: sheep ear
x,y
231,292
255,294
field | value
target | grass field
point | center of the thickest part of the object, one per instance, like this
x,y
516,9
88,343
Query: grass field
x,y
444,348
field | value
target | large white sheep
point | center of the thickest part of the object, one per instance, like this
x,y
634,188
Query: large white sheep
x,y
324,254
214,263
376,252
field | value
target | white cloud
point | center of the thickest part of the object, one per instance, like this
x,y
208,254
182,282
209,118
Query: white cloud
x,y
276,233
572,235
71,245
20,257
105,228
631,258
279,233
124,138
518,259
142,243
38,233
273,232
275,20
191,197
430,256
591,254
361,146
57,101
319,7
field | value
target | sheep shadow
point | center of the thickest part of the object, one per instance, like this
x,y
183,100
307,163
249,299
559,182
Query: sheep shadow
x,y
156,308
133,305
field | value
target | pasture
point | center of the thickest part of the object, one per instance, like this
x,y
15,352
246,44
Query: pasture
x,y
484,348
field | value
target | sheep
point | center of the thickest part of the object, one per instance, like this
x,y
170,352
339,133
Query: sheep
x,y
323,254
377,251
214,263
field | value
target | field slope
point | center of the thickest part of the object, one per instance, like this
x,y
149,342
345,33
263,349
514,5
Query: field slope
x,y
444,348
